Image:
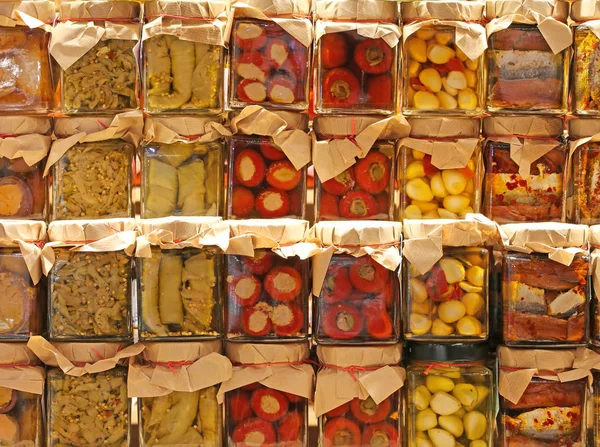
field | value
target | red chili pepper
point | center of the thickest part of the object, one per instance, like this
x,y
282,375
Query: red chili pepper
x,y
334,50
242,202
340,88
383,203
341,183
261,263
256,321
342,321
373,172
288,320
290,427
339,411
440,68
277,52
455,64
378,91
249,36
272,203
251,90
329,206
270,151
377,320
294,398
383,433
282,89
466,171
245,290
358,205
429,169
269,404
246,433
253,65
373,56
249,168
336,286
341,431
239,406
368,411
283,283
368,276
251,387
387,295
436,284
282,175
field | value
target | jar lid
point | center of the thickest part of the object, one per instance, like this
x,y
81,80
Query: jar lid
x,y
583,127
359,234
25,125
184,8
557,9
184,126
583,10
293,120
438,127
531,126
38,9
448,352
100,9
471,11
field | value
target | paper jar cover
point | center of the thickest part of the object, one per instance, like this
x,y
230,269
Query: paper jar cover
x,y
20,369
188,129
585,10
448,10
12,231
550,8
356,10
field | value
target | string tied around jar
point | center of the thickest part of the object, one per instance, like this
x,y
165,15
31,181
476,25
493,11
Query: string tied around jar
x,y
171,365
435,365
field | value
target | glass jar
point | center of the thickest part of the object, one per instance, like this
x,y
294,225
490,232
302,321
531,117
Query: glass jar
x,y
548,412
363,191
92,409
355,74
438,76
586,97
545,302
20,418
264,182
181,418
451,403
263,416
595,408
23,189
179,294
269,66
90,296
586,185
358,302
93,180
524,75
266,297
21,301
450,301
182,179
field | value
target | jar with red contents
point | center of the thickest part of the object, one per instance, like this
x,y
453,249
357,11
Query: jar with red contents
x,y
356,57
266,401
355,295
525,159
365,413
266,295
267,166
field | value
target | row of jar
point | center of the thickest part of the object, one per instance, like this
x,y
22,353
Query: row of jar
x,y
357,69
449,396
537,292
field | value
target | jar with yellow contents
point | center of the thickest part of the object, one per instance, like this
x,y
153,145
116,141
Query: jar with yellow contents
x,y
440,168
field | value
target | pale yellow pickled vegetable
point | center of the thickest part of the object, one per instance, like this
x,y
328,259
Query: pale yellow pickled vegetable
x,y
417,49
475,425
471,78
444,404
463,213
461,55
478,443
421,308
454,181
472,64
417,189
440,54
425,420
422,440
437,186
453,424
448,88
422,397
482,394
466,393
453,269
438,383
460,413
425,206
443,38
445,214
412,212
411,95
441,438
469,325
457,80
451,311
476,275
431,215
425,33
417,289
425,101
415,169
470,288
413,69
418,155
473,302
440,328
456,203
467,99
431,79
419,324
447,101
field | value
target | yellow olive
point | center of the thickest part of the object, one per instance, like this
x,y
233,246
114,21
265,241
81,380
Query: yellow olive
x,y
437,186
463,213
418,155
444,38
482,394
426,101
422,397
438,383
441,438
444,404
472,64
461,55
457,80
448,88
425,420
467,99
417,189
476,275
413,69
419,324
431,215
451,311
415,169
475,425
469,325
460,413
473,302
440,54
431,79
412,212
445,214
471,78
425,206
422,440
447,101
453,269
456,203
453,424
417,290
454,181
421,308
425,33
440,328
478,443
465,393
417,49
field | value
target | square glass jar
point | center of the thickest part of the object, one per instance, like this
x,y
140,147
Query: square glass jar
x,y
509,197
359,303
21,417
549,411
355,74
166,59
428,192
103,80
363,191
181,418
585,172
523,73
23,189
178,294
363,422
545,303
89,296
92,409
182,179
438,76
585,85
268,66
259,415
450,302
263,182
26,81
92,181
266,297
21,301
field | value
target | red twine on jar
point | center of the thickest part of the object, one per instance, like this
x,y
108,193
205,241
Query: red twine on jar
x,y
524,137
7,135
351,137
431,366
173,16
98,19
170,365
17,365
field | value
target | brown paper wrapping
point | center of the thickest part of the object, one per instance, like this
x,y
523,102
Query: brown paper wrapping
x,y
441,127
296,379
583,127
29,379
26,235
389,32
78,359
583,10
549,16
332,156
425,239
208,367
379,240
595,267
530,362
356,10
594,235
126,126
33,14
180,232
447,10
524,151
167,17
560,241
29,138
186,129
288,131
335,387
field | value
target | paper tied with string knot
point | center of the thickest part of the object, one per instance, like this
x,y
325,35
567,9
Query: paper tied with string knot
x,y
519,366
339,141
20,369
78,359
25,137
293,16
126,126
160,369
280,367
357,372
285,237
30,237
561,241
79,29
371,29
424,240
550,16
183,129
288,130
170,233
32,14
529,137
377,239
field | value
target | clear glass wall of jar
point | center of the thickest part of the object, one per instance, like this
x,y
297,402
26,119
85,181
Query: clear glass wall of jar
x,y
21,418
585,84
